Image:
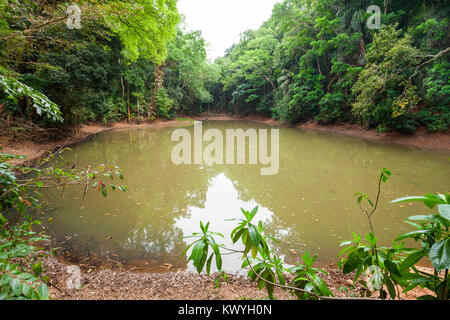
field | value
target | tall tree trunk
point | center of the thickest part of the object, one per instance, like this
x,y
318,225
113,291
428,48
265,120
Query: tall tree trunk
x,y
138,111
123,86
128,103
159,79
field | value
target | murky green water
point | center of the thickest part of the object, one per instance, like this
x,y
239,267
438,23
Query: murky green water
x,y
308,205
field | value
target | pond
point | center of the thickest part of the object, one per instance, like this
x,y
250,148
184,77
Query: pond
x,y
309,204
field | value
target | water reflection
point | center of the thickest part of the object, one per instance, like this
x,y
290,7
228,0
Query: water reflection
x,y
222,203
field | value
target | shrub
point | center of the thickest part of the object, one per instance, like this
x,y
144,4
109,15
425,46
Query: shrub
x,y
163,104
20,272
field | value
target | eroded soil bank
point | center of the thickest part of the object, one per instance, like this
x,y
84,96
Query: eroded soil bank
x,y
421,139
35,151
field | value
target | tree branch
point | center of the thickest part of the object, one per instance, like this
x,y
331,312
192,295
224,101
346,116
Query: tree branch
x,y
433,57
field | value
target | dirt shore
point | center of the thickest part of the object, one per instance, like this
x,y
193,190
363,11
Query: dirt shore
x,y
421,139
106,284
35,151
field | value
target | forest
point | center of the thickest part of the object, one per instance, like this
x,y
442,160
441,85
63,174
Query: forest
x,y
317,60
311,61
64,65
124,63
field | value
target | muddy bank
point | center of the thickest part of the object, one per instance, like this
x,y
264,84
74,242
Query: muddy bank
x,y
35,151
421,139
106,284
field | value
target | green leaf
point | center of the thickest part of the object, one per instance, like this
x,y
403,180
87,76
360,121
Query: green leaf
x,y
391,288
253,213
261,282
320,284
42,291
352,263
208,264
197,251
269,287
411,260
202,260
246,214
419,217
238,235
188,247
427,297
37,268
346,243
412,234
430,200
104,192
371,239
254,235
5,280
16,287
440,254
444,210
27,291
218,257
393,268
281,277
307,259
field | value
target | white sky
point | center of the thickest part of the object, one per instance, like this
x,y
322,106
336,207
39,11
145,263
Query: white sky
x,y
222,21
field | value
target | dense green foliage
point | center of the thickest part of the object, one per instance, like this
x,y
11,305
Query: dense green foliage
x,y
317,60
21,247
129,59
313,60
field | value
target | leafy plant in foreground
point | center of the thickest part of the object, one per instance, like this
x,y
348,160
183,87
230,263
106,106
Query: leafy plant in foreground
x,y
365,257
433,235
20,247
265,268
307,278
21,273
200,249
